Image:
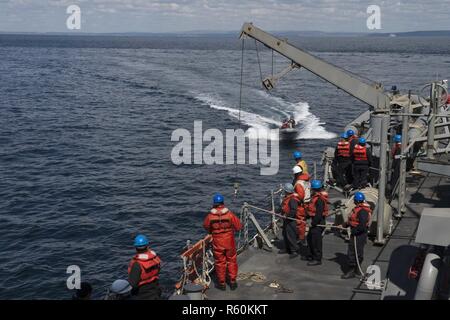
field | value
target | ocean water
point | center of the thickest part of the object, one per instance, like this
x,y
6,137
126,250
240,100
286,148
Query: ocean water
x,y
85,141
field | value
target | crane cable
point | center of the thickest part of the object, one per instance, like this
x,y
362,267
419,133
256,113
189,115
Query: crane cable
x,y
241,85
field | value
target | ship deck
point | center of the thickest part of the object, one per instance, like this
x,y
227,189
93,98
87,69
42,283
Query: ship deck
x,y
323,282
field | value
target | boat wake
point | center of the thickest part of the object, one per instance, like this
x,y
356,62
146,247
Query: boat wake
x,y
309,124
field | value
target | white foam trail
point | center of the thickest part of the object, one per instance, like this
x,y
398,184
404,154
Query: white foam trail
x,y
312,127
310,124
253,120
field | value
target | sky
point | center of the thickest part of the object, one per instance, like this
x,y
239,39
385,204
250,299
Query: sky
x,y
112,16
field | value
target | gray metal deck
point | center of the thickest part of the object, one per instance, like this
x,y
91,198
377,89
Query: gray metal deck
x,y
323,282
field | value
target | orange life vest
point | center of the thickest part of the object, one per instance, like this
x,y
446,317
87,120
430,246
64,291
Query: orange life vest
x,y
285,205
360,153
302,187
343,149
150,265
353,219
221,220
302,164
353,137
312,206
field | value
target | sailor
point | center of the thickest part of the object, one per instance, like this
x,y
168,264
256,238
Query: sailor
x,y
301,183
395,90
343,161
143,271
300,162
84,292
290,206
361,161
291,122
222,223
302,187
352,138
120,290
317,211
358,221
395,151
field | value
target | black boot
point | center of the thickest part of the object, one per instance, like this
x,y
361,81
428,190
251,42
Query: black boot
x,y
314,263
221,286
233,285
293,255
306,258
349,274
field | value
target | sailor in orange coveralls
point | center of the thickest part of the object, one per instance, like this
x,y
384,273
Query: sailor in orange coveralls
x,y
222,223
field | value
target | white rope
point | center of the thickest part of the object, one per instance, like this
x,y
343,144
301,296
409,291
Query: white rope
x,y
205,278
184,275
357,259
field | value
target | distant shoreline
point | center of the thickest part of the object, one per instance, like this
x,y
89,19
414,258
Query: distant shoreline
x,y
436,33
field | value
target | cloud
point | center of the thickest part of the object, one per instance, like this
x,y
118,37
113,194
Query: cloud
x,y
183,15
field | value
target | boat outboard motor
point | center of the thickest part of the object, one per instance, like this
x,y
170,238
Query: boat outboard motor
x,y
120,290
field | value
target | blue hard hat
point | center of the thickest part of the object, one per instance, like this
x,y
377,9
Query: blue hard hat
x,y
350,132
297,155
316,184
359,197
344,135
398,138
362,141
140,241
218,198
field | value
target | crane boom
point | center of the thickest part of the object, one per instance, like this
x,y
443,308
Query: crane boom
x,y
372,94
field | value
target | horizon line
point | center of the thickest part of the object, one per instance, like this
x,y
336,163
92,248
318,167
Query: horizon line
x,y
205,32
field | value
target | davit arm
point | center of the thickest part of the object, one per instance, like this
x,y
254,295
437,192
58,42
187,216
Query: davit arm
x,y
371,94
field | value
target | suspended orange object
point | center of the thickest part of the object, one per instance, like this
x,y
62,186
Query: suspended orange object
x,y
193,257
197,248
